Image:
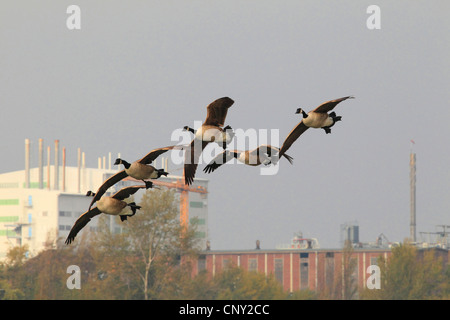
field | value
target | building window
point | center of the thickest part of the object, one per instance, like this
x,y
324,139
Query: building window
x,y
201,263
9,218
374,261
304,275
304,270
226,263
253,265
198,221
9,202
329,269
279,270
65,214
196,204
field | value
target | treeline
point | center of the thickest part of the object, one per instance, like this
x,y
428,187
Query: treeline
x,y
151,259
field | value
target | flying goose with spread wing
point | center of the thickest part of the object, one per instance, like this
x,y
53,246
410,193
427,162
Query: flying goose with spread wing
x,y
139,170
317,118
264,154
210,131
113,205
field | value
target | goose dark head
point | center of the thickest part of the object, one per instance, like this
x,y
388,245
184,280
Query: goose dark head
x,y
121,161
300,110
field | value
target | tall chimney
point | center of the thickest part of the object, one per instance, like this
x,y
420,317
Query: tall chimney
x,y
56,185
27,163
412,177
64,169
79,171
83,167
48,167
41,164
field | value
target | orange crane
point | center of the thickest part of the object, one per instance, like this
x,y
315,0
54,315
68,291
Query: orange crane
x,y
184,190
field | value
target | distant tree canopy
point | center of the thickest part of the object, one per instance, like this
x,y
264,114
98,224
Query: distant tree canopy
x,y
151,257
410,274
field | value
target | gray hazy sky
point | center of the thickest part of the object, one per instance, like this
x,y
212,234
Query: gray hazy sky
x,y
138,70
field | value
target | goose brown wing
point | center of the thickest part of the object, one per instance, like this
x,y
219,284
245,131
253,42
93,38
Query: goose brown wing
x,y
265,148
80,223
219,160
191,158
152,155
107,184
126,192
329,105
292,136
217,111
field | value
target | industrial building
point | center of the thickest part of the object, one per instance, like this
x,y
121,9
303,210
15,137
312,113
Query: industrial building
x,y
39,205
295,269
299,269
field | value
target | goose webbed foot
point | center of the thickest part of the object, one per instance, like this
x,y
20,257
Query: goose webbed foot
x,y
335,117
148,184
327,130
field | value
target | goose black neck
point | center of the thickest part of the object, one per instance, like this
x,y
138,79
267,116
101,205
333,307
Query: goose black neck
x,y
126,164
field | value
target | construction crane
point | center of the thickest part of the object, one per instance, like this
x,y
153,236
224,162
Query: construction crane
x,y
184,190
441,237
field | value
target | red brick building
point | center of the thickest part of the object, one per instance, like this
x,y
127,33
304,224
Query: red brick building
x,y
294,269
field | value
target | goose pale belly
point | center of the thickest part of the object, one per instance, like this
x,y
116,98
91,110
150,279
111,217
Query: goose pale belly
x,y
111,206
141,171
211,134
251,160
317,120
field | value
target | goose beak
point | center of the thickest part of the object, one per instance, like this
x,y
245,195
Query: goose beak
x,y
299,110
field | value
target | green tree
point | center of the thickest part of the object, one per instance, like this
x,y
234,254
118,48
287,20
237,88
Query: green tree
x,y
238,284
150,249
15,257
410,275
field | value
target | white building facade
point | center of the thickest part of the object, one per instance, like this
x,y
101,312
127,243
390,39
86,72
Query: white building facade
x,y
38,210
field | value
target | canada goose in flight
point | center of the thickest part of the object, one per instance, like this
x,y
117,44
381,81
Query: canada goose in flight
x,y
317,118
140,170
264,154
113,205
210,131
